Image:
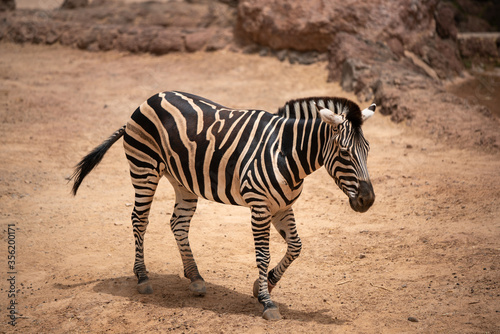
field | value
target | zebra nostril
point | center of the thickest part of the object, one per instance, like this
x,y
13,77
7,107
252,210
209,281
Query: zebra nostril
x,y
366,197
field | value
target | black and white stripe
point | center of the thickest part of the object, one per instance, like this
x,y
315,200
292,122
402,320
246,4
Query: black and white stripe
x,y
241,157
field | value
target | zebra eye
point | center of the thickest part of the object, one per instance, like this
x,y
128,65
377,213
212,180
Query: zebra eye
x,y
344,153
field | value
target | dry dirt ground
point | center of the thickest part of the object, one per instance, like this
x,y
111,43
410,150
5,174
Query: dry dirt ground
x,y
427,249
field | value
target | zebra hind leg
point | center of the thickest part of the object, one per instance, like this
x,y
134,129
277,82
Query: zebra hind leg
x,y
185,206
144,192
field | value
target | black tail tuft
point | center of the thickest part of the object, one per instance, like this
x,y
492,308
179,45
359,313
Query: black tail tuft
x,y
92,159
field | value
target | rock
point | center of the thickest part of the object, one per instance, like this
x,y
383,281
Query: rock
x,y
313,25
297,25
396,46
86,38
418,62
197,40
69,35
281,54
52,34
251,49
73,4
22,31
374,73
145,38
364,52
441,55
166,41
138,39
479,45
126,40
137,27
303,58
106,37
388,98
446,16
478,16
219,40
353,71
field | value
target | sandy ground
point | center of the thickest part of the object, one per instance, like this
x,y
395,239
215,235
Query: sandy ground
x,y
428,248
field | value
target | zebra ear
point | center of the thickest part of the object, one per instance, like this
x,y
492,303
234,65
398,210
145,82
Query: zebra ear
x,y
368,112
330,117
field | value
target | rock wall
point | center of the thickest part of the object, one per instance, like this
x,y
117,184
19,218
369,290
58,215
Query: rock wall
x,y
479,47
152,27
396,53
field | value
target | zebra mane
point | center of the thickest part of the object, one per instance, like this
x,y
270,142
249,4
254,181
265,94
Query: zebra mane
x,y
305,108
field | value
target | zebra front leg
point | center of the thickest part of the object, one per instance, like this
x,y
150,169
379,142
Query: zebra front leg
x,y
261,224
184,209
284,222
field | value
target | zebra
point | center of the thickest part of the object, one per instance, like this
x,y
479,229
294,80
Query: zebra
x,y
250,158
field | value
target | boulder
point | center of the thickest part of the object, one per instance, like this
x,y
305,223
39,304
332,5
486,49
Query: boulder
x,y
479,45
87,38
197,40
166,41
22,31
440,54
446,15
70,34
298,25
219,40
106,37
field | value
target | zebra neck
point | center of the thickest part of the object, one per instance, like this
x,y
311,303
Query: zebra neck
x,y
301,148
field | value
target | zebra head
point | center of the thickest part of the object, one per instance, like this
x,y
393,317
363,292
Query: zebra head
x,y
346,152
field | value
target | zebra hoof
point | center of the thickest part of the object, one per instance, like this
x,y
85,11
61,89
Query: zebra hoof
x,y
272,314
256,288
198,287
145,288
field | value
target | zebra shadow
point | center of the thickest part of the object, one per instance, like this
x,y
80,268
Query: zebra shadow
x,y
171,291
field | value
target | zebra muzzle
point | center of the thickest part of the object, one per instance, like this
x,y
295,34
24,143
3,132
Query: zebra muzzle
x,y
364,199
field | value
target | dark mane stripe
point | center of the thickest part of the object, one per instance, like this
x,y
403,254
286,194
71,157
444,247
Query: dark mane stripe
x,y
304,108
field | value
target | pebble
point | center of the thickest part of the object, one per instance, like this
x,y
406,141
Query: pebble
x,y
412,319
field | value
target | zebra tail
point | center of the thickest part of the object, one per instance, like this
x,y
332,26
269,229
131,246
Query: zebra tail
x,y
91,160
